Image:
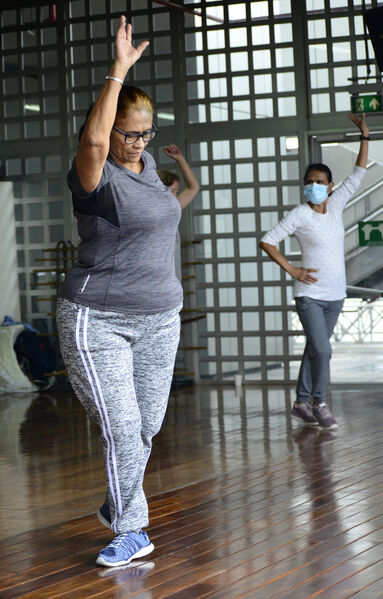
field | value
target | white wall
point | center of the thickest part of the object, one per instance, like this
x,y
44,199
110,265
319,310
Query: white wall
x,y
9,287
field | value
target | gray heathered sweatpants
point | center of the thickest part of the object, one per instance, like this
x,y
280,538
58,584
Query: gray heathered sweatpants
x,y
120,367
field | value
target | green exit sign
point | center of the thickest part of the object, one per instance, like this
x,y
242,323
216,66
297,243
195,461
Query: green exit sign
x,y
366,103
370,233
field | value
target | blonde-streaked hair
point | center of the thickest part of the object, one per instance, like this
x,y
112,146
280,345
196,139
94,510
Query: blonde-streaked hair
x,y
133,98
130,98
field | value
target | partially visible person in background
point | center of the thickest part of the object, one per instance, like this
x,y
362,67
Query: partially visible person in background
x,y
317,225
171,180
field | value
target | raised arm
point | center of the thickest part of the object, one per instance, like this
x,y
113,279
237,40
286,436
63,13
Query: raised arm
x,y
360,122
190,180
94,143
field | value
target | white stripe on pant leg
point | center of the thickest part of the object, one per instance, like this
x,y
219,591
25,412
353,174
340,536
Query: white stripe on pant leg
x,y
105,412
78,343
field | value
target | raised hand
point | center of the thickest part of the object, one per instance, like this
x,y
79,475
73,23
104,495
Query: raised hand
x,y
360,122
126,53
303,274
173,152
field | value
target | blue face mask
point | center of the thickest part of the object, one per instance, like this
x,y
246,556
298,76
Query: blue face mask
x,y
315,193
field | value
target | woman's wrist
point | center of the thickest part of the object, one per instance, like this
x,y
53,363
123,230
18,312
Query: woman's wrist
x,y
290,269
119,69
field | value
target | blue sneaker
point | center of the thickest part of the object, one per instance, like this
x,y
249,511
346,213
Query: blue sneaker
x,y
124,548
103,514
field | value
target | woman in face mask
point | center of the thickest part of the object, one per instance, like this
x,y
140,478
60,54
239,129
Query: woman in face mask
x,y
320,283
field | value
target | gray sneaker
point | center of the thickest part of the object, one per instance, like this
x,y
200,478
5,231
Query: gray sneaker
x,y
304,413
324,417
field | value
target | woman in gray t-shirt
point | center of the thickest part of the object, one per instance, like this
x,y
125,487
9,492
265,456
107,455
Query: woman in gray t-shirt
x,y
118,315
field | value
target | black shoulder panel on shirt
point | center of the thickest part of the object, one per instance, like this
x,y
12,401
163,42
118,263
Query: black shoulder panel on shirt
x,y
101,204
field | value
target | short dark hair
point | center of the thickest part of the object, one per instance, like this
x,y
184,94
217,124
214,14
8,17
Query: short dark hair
x,y
318,166
167,177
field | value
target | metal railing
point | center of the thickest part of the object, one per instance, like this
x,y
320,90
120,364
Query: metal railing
x,y
359,322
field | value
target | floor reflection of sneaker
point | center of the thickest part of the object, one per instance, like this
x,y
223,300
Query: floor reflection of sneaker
x,y
125,547
326,435
324,417
303,412
127,572
305,437
103,514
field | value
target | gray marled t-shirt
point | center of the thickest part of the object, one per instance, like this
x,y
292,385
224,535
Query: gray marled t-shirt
x,y
127,227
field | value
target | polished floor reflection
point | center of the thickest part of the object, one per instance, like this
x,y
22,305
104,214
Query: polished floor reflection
x,y
243,503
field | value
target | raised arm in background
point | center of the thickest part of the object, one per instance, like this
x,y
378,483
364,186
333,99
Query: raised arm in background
x,y
94,143
190,180
360,122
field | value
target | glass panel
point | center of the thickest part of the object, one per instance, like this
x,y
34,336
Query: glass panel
x,y
266,146
283,33
218,87
228,321
342,51
241,86
239,61
225,248
284,57
249,296
259,9
247,247
238,37
224,223
226,273
260,35
237,12
264,108
219,111
241,110
246,222
244,173
317,53
263,84
286,82
316,29
221,173
287,106
342,75
261,59
245,197
215,39
221,150
223,198
267,171
227,296
320,103
340,27
243,148
216,63
319,78
268,196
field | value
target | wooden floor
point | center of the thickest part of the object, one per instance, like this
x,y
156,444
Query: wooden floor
x,y
243,504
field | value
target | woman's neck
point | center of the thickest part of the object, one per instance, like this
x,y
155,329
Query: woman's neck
x,y
320,208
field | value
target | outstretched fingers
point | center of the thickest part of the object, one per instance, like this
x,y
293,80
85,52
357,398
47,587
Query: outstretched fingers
x,y
142,46
121,31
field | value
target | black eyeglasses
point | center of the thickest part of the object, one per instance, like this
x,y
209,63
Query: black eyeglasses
x,y
132,136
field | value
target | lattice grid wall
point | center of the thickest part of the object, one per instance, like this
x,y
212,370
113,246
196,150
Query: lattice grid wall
x,y
238,96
